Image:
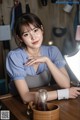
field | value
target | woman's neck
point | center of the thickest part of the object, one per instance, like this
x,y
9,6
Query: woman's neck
x,y
33,52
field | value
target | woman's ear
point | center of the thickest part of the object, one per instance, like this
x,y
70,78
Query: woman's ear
x,y
19,38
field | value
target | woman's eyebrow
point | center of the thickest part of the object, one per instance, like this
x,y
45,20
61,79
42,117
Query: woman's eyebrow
x,y
28,30
25,32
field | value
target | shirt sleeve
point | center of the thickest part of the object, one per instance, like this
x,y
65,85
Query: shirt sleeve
x,y
14,66
56,57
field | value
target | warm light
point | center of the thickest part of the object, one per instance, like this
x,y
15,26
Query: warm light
x,y
50,43
78,33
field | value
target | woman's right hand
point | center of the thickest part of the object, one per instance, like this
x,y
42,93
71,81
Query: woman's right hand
x,y
74,92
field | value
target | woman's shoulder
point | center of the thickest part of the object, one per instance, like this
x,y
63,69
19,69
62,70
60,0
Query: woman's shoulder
x,y
50,50
15,52
47,47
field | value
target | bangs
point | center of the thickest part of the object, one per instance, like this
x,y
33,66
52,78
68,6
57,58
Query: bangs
x,y
26,27
26,20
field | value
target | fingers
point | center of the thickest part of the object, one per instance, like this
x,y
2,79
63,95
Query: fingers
x,y
34,60
31,61
77,88
74,92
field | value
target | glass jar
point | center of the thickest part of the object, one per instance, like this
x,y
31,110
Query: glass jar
x,y
41,103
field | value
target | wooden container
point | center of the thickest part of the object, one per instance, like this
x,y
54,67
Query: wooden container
x,y
52,114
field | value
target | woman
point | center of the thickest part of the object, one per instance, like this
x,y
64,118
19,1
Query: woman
x,y
31,64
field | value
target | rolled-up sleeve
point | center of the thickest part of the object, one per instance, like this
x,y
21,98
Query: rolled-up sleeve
x,y
14,66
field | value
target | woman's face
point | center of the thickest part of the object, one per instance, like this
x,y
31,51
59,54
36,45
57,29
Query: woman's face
x,y
32,36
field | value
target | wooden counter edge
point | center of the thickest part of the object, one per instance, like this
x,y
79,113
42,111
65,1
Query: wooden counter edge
x,y
6,96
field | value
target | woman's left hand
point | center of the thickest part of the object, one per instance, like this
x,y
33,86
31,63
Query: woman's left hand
x,y
34,60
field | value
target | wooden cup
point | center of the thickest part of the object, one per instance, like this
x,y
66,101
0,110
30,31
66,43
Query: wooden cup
x,y
52,114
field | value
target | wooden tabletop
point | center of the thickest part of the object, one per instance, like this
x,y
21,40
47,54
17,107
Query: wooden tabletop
x,y
69,109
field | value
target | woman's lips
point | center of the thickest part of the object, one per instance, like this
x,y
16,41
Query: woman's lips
x,y
35,42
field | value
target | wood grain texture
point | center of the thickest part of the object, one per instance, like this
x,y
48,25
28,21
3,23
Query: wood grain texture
x,y
69,109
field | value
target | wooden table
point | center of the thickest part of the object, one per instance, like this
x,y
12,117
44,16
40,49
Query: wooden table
x,y
69,109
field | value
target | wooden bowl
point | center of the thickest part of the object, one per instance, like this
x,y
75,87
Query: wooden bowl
x,y
52,114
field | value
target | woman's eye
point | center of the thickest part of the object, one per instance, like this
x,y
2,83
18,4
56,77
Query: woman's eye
x,y
35,30
25,35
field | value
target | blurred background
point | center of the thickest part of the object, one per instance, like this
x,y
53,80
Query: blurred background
x,y
59,17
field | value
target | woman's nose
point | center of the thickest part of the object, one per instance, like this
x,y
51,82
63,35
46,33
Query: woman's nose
x,y
32,36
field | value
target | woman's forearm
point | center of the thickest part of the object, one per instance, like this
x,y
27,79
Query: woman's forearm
x,y
72,92
52,95
61,77
31,96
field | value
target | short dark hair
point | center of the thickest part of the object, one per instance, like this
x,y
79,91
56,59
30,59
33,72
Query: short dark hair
x,y
25,19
